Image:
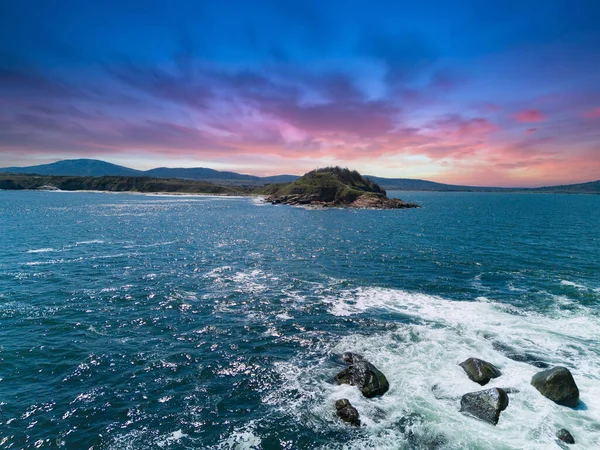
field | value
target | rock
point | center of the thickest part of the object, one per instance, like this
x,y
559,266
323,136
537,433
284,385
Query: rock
x,y
480,371
558,385
485,405
564,435
347,412
351,358
380,202
366,376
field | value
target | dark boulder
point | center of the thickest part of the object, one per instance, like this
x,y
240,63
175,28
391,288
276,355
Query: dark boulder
x,y
366,376
485,405
480,371
564,435
347,412
558,385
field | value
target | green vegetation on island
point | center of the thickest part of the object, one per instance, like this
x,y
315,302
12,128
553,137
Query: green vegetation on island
x,y
334,186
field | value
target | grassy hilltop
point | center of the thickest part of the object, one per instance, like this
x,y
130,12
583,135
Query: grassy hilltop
x,y
333,186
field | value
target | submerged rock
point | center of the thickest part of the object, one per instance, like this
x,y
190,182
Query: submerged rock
x,y
480,371
351,358
366,376
558,385
485,405
564,435
511,390
519,356
416,434
347,412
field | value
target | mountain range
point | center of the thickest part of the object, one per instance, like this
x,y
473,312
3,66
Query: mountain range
x,y
97,168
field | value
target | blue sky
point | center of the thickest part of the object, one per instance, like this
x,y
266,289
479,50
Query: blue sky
x,y
504,93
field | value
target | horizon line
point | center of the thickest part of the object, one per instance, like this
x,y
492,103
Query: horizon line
x,y
290,174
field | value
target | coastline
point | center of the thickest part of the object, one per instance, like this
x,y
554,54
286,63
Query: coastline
x,y
157,194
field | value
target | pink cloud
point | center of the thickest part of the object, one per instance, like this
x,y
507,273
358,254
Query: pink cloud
x,y
529,115
457,126
488,107
593,114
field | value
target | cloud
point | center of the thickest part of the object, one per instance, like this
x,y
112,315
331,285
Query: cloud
x,y
374,96
457,126
529,115
593,114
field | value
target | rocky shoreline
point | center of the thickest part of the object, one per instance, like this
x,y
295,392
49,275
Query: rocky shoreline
x,y
372,201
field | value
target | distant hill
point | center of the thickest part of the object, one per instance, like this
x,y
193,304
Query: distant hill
x,y
76,167
198,173
593,187
96,168
408,184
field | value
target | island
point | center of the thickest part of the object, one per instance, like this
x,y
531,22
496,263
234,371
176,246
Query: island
x,y
334,187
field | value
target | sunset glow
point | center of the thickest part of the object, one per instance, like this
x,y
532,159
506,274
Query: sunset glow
x,y
483,94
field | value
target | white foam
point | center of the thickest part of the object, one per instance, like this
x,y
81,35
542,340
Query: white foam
x,y
93,241
578,286
420,357
259,201
42,250
217,272
241,439
44,263
170,439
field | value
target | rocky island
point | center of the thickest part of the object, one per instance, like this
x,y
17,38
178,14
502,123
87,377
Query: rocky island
x,y
334,187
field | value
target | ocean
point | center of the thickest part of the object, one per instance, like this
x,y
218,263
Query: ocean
x,y
179,322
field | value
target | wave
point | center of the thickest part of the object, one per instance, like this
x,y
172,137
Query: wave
x,y
420,356
42,250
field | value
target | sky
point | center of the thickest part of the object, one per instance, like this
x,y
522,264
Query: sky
x,y
503,93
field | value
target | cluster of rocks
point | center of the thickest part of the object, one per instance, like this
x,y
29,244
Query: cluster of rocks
x,y
556,384
364,375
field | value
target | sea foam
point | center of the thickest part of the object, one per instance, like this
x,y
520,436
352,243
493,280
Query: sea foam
x,y
420,358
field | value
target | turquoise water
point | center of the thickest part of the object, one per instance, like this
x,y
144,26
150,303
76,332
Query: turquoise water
x,y
130,321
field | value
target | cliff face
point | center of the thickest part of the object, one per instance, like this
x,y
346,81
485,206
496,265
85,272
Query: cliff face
x,y
334,186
